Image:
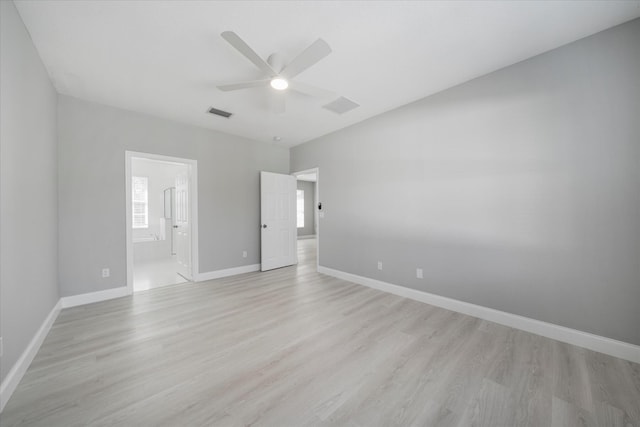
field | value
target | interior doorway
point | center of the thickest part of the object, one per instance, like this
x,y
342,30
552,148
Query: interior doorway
x,y
161,220
309,213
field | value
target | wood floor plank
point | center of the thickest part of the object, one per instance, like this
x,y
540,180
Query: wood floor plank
x,y
291,347
493,405
565,414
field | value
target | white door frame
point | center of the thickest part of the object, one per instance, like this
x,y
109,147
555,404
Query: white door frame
x,y
193,190
316,213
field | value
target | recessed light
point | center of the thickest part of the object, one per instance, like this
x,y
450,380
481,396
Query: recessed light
x,y
278,83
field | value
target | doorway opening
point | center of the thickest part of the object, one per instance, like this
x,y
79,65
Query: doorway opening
x,y
309,213
161,220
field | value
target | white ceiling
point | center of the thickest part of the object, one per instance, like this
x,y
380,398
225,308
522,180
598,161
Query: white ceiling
x,y
165,58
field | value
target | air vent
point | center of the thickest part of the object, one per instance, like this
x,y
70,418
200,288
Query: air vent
x,y
220,113
341,105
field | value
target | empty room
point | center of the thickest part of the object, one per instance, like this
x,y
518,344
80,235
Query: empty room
x,y
319,213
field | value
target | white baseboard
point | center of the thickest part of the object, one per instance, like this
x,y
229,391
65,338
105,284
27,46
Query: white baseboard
x,y
589,341
308,236
92,297
18,370
210,275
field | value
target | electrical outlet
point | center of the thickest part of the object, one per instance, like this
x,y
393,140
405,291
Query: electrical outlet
x,y
244,254
105,273
379,265
418,273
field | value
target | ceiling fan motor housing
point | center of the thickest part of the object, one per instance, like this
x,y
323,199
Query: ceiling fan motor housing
x,y
276,61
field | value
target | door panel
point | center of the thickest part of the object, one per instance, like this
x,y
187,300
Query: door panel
x,y
278,220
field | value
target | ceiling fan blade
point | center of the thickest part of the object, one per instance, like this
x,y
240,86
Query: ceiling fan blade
x,y
235,41
312,54
243,85
311,90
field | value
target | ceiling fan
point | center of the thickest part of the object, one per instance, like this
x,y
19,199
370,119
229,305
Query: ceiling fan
x,y
278,75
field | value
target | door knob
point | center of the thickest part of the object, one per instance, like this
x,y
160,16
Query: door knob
x,y
264,225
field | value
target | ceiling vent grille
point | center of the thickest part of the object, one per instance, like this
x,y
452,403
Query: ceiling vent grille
x,y
341,105
220,113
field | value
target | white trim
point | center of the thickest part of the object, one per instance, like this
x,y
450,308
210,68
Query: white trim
x,y
128,220
193,195
316,214
19,368
210,275
92,297
308,236
593,342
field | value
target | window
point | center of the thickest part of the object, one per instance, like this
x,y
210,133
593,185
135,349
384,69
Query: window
x,y
300,194
140,201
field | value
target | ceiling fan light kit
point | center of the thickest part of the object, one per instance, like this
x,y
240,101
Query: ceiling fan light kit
x,y
277,74
278,83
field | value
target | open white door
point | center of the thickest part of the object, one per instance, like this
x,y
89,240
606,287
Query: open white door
x,y
278,220
182,225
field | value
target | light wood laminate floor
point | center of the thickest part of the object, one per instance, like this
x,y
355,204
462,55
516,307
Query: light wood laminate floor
x,y
155,274
292,347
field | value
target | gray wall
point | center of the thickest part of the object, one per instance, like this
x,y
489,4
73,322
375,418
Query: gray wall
x,y
92,143
519,190
309,189
28,189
